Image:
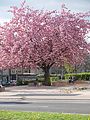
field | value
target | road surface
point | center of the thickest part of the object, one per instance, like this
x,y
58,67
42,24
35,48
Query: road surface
x,y
65,106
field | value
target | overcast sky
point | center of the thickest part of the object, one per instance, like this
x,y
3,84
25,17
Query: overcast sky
x,y
73,5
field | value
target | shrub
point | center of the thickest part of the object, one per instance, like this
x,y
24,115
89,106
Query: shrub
x,y
19,82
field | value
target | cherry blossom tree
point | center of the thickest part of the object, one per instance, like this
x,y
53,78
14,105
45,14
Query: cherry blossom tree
x,y
42,39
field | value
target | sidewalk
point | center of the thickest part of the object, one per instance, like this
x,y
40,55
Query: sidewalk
x,y
48,93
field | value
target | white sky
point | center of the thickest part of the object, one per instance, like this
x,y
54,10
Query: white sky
x,y
73,5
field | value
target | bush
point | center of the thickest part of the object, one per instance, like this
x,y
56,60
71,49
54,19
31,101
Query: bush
x,y
25,82
40,78
53,78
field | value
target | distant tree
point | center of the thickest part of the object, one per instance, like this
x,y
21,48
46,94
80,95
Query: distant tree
x,y
43,39
69,68
85,66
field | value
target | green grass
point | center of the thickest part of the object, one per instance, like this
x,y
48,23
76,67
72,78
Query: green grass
x,y
9,115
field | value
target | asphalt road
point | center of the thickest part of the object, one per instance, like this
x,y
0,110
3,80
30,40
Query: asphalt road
x,y
65,106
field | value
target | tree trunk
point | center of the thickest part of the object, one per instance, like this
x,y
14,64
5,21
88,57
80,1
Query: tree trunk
x,y
47,81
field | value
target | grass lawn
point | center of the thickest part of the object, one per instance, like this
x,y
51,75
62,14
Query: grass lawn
x,y
9,115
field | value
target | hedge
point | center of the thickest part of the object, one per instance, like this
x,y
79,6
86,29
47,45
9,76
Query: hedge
x,y
53,77
40,78
79,76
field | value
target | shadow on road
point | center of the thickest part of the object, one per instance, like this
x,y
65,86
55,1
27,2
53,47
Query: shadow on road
x,y
14,102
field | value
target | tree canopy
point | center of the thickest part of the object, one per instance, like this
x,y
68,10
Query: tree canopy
x,y
41,39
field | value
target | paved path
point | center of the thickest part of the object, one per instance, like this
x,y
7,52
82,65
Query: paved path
x,y
24,92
